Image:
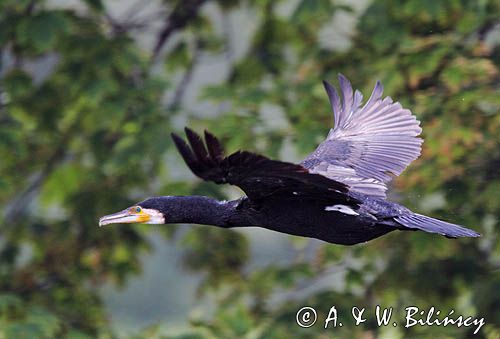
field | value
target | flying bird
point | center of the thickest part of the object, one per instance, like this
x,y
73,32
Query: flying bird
x,y
336,194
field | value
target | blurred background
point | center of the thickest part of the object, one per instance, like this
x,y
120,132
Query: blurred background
x,y
90,91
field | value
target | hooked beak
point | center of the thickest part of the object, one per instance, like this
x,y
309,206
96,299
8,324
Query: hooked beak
x,y
124,217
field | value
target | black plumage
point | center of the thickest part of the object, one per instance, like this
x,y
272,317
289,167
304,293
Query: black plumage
x,y
337,194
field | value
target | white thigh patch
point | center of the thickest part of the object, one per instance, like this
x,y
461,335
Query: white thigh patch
x,y
342,209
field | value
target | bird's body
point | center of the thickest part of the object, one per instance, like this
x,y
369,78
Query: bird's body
x,y
318,219
337,194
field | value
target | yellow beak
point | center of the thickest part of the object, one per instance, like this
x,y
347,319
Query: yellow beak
x,y
124,217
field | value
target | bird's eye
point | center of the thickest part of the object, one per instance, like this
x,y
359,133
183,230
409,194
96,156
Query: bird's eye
x,y
138,209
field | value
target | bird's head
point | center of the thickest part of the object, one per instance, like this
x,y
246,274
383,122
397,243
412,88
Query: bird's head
x,y
143,212
171,210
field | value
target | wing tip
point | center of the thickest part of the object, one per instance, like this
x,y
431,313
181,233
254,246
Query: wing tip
x,y
330,89
209,135
190,133
186,152
345,83
342,77
174,136
214,147
378,89
178,141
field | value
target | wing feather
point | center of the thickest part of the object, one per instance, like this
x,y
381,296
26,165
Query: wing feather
x,y
214,147
369,145
258,176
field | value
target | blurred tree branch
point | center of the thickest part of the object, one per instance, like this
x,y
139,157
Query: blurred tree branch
x,y
182,13
184,82
21,202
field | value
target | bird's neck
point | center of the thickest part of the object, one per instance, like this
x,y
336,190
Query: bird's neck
x,y
201,210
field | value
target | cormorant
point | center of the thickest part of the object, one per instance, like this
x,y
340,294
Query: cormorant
x,y
336,194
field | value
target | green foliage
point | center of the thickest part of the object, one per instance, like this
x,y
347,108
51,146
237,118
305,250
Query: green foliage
x,y
18,320
91,135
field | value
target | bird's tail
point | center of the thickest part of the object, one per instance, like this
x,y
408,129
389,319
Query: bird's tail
x,y
428,224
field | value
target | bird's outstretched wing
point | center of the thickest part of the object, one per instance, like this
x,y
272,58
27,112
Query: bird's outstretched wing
x,y
369,144
258,176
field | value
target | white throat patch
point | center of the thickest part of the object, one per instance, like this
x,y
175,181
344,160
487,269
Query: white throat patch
x,y
155,216
342,209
